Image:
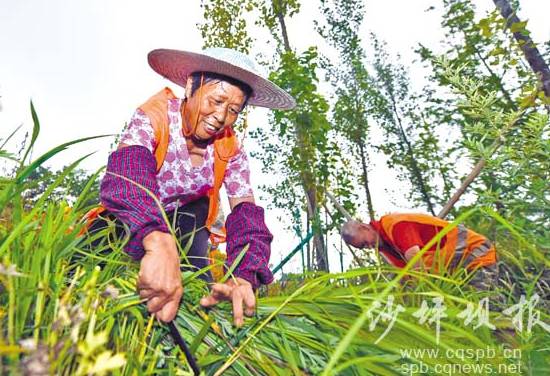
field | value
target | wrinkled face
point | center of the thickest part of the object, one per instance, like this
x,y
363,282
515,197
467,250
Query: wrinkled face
x,y
212,108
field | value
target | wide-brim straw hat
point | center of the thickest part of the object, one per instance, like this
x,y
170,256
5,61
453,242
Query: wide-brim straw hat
x,y
178,65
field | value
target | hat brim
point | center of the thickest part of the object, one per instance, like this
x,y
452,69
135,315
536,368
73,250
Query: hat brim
x,y
176,66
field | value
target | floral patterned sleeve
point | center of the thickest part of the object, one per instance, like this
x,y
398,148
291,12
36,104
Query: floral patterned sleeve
x,y
237,176
139,131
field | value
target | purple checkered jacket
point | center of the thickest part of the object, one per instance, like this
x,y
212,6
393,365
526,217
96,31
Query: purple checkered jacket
x,y
133,206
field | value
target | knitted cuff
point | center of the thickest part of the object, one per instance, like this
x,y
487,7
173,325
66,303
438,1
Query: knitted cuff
x,y
128,200
246,225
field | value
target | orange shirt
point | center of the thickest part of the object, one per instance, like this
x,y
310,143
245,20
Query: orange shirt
x,y
406,235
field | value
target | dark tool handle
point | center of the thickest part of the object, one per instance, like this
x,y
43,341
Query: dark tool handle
x,y
183,346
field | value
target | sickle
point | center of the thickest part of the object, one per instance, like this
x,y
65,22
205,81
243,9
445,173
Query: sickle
x,y
174,332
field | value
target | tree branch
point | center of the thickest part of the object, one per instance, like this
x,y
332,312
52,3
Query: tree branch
x,y
478,168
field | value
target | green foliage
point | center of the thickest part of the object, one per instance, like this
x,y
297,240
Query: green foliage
x,y
383,99
273,14
69,307
414,142
50,305
75,182
500,114
483,85
308,124
297,145
519,167
68,302
225,24
491,84
485,52
350,114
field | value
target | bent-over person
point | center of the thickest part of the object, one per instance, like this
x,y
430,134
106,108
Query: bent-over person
x,y
400,236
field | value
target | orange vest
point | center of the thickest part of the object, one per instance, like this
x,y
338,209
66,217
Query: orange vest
x,y
463,247
225,147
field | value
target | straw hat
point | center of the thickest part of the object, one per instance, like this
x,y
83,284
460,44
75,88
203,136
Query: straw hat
x,y
177,65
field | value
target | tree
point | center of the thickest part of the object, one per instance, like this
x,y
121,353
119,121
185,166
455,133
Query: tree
x,y
225,25
350,78
296,145
493,86
411,136
73,185
312,159
529,48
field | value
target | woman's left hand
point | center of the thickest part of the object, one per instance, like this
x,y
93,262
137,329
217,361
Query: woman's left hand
x,y
239,292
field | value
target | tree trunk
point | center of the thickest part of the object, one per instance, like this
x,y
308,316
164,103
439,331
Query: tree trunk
x,y
530,50
308,183
308,227
318,241
366,179
280,16
415,170
465,184
478,167
326,237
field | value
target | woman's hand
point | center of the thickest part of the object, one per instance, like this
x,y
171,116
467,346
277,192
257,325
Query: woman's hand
x,y
159,279
239,292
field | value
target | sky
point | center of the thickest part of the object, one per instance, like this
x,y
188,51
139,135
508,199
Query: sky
x,y
83,64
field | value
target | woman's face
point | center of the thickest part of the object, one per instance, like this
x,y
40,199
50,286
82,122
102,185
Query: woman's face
x,y
212,108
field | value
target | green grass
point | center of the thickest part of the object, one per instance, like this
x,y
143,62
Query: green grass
x,y
69,308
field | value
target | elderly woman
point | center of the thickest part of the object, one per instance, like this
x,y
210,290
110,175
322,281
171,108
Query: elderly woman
x,y
183,151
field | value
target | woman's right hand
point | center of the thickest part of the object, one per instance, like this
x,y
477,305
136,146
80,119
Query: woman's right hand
x,y
159,279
